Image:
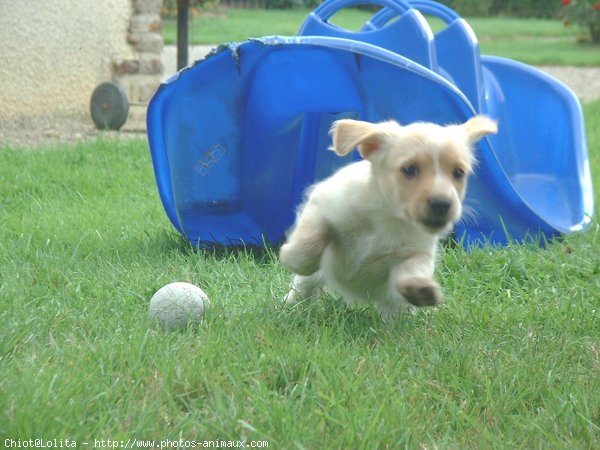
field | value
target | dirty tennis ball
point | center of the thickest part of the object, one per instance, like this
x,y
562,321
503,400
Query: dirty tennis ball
x,y
177,305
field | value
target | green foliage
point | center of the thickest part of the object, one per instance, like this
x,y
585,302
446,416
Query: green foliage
x,y
526,8
584,13
282,4
518,8
470,7
169,7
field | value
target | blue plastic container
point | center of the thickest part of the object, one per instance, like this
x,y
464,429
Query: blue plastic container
x,y
237,137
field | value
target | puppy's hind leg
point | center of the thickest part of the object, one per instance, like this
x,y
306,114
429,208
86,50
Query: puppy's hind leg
x,y
304,287
305,245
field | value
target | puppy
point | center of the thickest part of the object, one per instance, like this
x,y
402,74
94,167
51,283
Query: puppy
x,y
371,230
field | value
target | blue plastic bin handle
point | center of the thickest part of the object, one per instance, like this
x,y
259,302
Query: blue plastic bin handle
x,y
328,8
436,9
428,7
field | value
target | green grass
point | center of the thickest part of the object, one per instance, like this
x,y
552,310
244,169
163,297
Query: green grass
x,y
230,25
512,360
533,41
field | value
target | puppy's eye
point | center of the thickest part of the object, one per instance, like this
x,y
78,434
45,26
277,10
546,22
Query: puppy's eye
x,y
410,171
458,173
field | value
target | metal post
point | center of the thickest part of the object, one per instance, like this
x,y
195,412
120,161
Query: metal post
x,y
182,33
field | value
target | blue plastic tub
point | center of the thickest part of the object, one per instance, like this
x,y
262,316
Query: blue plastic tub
x,y
237,137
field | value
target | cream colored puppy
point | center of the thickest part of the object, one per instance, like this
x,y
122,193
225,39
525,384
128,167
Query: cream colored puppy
x,y
371,230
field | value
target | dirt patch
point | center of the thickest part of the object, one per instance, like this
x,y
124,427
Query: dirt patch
x,y
49,131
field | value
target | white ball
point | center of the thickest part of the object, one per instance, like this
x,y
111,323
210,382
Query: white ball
x,y
178,304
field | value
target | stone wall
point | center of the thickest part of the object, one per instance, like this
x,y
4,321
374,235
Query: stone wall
x,y
141,74
54,53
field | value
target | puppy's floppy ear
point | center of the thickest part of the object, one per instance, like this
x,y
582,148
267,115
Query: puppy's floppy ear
x,y
479,126
347,134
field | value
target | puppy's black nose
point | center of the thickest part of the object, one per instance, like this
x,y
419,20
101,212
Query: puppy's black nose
x,y
439,205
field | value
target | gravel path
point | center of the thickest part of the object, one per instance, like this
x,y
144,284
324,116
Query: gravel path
x,y
51,130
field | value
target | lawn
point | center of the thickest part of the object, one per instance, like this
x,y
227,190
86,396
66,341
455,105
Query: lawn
x,y
533,41
512,360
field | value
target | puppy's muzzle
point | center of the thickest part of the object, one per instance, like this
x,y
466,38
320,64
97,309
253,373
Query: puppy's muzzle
x,y
438,211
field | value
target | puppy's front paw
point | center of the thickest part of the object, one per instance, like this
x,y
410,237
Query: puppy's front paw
x,y
303,288
291,297
420,291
